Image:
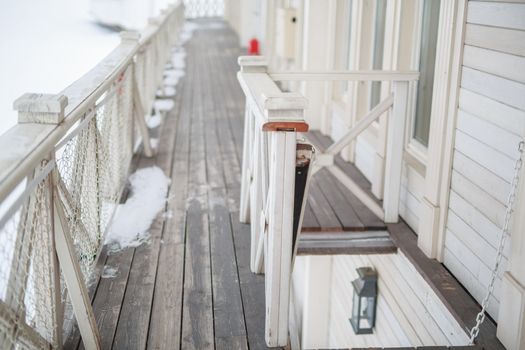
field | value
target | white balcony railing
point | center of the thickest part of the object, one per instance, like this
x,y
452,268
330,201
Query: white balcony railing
x,y
274,184
62,171
271,160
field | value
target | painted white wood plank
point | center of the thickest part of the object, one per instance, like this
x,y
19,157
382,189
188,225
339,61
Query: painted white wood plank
x,y
439,312
499,39
474,241
495,161
497,14
486,204
497,88
497,113
411,305
475,219
488,181
488,133
474,263
469,281
413,180
494,62
365,154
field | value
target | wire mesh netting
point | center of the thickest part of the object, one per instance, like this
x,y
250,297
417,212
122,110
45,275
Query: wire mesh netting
x,y
204,8
28,275
86,181
93,168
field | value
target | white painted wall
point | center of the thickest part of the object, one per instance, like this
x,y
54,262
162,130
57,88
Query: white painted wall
x,y
490,124
409,313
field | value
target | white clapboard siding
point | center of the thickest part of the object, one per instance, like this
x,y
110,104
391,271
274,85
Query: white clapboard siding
x,y
473,263
480,176
364,156
494,62
486,156
489,126
409,311
500,89
486,229
490,134
497,14
468,280
433,304
479,198
499,39
497,113
472,239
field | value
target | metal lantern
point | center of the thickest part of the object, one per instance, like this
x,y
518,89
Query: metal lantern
x,y
364,301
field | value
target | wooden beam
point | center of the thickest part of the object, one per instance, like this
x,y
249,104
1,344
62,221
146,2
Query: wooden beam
x,y
341,75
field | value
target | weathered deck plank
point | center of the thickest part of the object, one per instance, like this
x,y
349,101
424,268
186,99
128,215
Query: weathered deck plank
x,y
197,318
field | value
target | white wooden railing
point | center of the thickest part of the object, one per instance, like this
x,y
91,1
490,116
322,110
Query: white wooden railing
x,y
273,186
63,168
395,106
271,156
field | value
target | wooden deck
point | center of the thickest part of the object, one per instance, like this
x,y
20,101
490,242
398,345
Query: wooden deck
x,y
191,286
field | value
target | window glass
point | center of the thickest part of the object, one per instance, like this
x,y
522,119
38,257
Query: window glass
x,y
377,53
427,60
342,58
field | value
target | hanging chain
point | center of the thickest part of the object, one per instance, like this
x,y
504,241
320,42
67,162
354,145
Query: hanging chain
x,y
504,234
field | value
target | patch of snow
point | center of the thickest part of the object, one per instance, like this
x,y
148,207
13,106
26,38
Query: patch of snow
x,y
163,105
154,143
149,187
154,121
170,91
187,32
178,60
109,272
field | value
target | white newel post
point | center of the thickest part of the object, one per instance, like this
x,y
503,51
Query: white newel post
x,y
394,152
279,236
49,109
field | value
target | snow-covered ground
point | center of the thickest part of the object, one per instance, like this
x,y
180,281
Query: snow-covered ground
x,y
45,46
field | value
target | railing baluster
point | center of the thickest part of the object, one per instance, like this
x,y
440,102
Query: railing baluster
x,y
244,207
394,151
72,273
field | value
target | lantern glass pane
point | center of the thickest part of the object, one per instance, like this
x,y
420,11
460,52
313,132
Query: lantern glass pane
x,y
355,307
366,313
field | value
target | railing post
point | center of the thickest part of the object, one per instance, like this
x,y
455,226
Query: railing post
x,y
253,64
284,114
244,207
72,274
394,151
279,248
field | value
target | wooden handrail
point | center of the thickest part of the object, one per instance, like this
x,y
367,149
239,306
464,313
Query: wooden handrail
x,y
275,109
344,75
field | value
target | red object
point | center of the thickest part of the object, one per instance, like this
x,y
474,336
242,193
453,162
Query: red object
x,y
253,49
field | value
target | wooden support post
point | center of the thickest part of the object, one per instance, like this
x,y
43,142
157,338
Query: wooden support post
x,y
73,275
138,105
394,152
256,195
244,207
279,248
